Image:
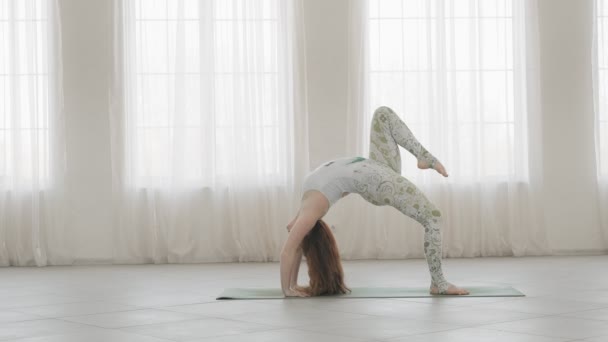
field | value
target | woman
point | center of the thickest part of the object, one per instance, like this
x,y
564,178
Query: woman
x,y
378,180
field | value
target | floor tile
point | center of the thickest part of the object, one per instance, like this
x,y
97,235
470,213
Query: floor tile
x,y
43,327
226,308
130,318
16,316
295,318
379,327
476,335
554,326
24,301
594,339
566,300
383,307
101,335
599,314
75,309
540,305
156,300
282,335
473,316
200,328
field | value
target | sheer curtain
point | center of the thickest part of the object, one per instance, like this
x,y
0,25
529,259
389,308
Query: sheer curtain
x,y
463,75
32,146
209,128
600,80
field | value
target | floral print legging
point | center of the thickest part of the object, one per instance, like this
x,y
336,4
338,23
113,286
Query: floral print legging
x,y
379,182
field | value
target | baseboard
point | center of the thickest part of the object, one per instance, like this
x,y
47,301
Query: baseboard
x,y
84,262
566,252
556,252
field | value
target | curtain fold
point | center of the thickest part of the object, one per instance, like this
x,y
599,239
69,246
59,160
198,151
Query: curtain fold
x,y
32,136
464,77
209,129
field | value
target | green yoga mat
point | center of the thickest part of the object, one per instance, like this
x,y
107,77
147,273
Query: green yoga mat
x,y
373,292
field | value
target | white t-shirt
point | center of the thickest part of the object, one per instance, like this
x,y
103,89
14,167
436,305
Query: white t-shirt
x,y
333,178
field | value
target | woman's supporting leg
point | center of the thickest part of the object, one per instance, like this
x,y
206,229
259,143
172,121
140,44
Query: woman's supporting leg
x,y
380,185
388,132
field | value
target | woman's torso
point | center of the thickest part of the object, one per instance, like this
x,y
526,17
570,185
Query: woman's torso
x,y
336,177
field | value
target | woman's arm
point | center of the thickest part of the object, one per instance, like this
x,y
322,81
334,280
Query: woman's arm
x,y
291,254
288,258
296,268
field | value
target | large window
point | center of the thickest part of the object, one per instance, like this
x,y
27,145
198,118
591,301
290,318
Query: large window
x,y
602,68
203,94
24,91
447,67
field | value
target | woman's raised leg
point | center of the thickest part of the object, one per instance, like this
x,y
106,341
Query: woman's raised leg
x,y
388,132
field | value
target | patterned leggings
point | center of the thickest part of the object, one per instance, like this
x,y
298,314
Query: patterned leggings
x,y
381,185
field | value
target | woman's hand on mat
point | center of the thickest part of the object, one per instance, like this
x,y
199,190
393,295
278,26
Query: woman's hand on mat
x,y
299,288
295,293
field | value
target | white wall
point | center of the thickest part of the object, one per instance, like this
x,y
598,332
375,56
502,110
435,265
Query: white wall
x,y
326,39
571,211
87,66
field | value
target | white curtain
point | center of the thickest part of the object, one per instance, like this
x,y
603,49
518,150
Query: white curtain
x,y
463,75
209,128
600,82
32,146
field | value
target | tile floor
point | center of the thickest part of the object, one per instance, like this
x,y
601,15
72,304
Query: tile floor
x,y
567,300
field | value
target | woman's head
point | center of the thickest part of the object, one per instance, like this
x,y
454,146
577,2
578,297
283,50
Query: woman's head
x,y
323,258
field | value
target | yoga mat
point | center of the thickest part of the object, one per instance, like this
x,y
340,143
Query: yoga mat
x,y
373,292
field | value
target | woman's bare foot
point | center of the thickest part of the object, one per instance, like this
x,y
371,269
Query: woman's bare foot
x,y
452,290
438,167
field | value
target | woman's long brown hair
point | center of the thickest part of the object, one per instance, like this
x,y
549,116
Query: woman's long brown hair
x,y
323,259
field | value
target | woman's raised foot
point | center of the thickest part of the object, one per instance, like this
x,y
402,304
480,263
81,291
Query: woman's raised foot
x,y
438,167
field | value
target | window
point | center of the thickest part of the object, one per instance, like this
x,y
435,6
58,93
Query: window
x,y
25,64
205,82
449,64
